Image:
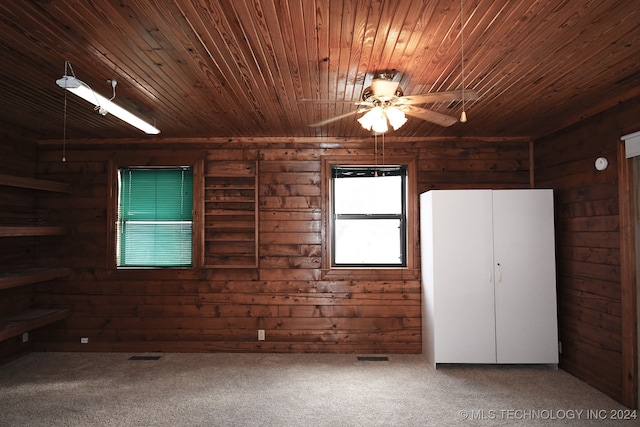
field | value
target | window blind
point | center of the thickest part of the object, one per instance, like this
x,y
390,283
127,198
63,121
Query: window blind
x,y
155,220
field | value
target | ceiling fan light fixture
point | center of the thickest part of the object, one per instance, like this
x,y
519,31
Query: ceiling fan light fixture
x,y
376,119
384,89
396,117
104,105
380,126
463,117
371,117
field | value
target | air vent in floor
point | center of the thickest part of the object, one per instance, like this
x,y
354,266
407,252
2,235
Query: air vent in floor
x,y
373,358
144,358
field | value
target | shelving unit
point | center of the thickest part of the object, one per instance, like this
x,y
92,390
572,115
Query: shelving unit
x,y
32,318
231,209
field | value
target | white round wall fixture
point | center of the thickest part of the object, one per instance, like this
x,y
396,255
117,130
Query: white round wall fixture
x,y
601,163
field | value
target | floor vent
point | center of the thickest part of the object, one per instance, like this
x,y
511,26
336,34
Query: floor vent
x,y
373,358
144,358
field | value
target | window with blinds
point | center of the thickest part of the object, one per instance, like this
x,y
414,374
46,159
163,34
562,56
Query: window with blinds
x,y
155,217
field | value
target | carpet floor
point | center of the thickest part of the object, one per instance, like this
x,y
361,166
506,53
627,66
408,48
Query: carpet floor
x,y
225,389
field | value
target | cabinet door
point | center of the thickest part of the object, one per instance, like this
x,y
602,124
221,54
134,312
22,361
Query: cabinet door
x,y
463,277
524,256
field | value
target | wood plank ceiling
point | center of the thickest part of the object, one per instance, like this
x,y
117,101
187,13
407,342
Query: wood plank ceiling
x,y
240,68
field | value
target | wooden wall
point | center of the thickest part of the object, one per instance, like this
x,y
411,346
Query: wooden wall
x,y
17,207
595,345
221,308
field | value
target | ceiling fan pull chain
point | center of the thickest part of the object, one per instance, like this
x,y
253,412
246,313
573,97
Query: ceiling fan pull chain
x,y
463,115
375,150
383,163
64,129
67,69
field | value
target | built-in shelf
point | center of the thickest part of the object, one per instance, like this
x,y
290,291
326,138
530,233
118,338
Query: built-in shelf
x,y
29,320
30,230
229,187
34,183
231,214
30,276
230,265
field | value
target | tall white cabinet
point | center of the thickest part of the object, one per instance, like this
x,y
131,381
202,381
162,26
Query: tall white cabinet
x,y
488,276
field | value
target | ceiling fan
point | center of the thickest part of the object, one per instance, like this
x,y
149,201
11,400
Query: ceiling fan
x,y
384,101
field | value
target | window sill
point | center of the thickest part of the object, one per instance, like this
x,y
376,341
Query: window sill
x,y
153,273
396,273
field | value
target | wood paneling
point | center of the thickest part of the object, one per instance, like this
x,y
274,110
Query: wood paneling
x,y
596,313
234,69
221,307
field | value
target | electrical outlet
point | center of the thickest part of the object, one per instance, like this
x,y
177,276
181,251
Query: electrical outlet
x,y
84,340
260,334
25,337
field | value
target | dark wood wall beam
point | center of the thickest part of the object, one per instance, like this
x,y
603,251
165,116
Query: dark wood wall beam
x,y
628,288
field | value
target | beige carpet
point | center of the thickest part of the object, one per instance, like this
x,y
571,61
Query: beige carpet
x,y
108,389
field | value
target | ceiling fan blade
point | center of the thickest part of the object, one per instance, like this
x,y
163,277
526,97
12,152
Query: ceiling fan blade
x,y
431,116
452,95
336,118
329,101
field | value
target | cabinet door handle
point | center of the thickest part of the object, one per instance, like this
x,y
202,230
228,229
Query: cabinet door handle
x,y
489,275
498,274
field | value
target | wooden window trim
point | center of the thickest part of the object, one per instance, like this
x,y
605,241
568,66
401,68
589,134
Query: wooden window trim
x,y
196,161
411,271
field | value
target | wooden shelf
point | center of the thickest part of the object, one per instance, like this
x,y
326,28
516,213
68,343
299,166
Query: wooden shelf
x,y
28,230
230,266
26,321
31,275
231,199
229,187
34,183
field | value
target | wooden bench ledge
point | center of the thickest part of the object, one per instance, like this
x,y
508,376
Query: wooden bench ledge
x,y
26,321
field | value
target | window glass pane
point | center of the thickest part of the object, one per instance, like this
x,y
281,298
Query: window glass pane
x,y
368,241
370,195
156,194
155,217
156,244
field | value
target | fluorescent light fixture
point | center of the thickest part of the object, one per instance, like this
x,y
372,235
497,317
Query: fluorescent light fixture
x,y
104,105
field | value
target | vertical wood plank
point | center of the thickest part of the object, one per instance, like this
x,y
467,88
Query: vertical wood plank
x,y
628,288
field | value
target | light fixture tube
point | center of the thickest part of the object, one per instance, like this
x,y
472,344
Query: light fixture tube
x,y
83,90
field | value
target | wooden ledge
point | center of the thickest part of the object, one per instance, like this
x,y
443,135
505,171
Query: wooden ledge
x,y
29,230
34,183
26,321
28,276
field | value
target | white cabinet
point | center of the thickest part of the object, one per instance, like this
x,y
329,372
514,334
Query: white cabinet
x,y
488,276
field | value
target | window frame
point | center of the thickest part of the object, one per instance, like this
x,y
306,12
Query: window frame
x,y
124,224
171,160
411,270
402,217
